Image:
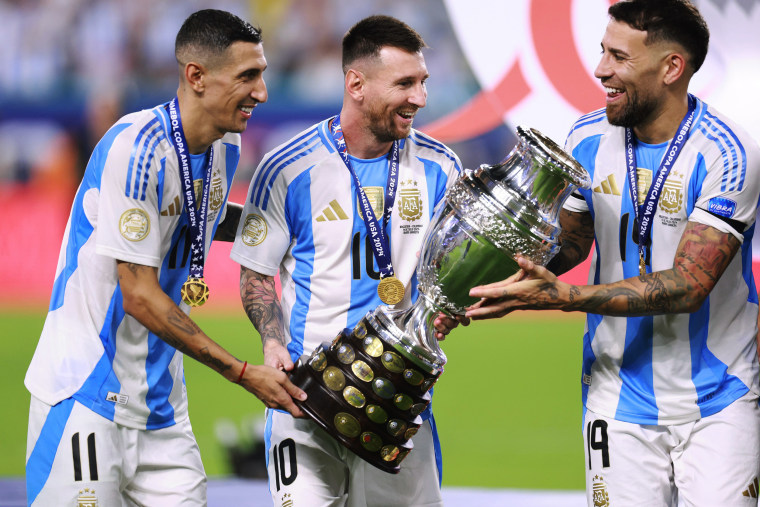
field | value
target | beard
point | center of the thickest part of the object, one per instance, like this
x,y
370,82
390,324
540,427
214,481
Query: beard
x,y
633,113
381,125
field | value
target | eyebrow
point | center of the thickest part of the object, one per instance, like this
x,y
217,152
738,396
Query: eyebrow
x,y
616,52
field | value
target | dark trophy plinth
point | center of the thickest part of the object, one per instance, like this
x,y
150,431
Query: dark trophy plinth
x,y
368,387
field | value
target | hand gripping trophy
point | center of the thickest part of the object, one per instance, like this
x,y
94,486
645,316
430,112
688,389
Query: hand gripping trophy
x,y
368,387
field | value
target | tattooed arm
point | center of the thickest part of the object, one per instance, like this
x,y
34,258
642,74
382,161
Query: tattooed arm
x,y
575,241
702,256
263,309
228,228
144,300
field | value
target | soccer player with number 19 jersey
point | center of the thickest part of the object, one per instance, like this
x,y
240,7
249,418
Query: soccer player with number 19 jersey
x,y
670,368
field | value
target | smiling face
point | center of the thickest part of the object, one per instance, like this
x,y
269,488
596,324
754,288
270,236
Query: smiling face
x,y
631,73
234,86
394,91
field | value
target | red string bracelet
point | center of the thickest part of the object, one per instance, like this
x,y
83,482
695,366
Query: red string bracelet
x,y
245,365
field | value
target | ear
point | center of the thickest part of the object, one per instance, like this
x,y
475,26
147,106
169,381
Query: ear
x,y
194,74
675,67
354,83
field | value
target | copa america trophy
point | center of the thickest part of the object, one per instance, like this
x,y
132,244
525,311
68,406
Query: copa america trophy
x,y
369,386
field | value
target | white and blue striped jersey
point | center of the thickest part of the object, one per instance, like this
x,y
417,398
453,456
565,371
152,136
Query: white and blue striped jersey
x,y
302,217
670,369
129,207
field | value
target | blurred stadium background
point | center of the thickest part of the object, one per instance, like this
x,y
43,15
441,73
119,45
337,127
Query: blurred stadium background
x,y
508,405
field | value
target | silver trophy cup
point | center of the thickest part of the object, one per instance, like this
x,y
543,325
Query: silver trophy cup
x,y
369,386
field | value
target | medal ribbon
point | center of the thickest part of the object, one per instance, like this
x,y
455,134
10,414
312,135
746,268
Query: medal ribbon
x,y
645,212
379,240
196,230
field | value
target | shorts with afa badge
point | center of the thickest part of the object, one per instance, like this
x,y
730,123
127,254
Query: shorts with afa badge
x,y
77,457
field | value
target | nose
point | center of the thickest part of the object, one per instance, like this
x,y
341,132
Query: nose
x,y
259,91
419,96
603,70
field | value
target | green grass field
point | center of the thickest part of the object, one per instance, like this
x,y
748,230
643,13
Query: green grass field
x,y
507,406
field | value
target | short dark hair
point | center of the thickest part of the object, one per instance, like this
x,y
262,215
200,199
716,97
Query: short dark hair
x,y
206,34
367,37
676,21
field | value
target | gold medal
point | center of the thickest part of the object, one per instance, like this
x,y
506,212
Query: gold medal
x,y
195,291
391,290
642,265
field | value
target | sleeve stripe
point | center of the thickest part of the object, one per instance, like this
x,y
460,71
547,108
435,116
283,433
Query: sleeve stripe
x,y
731,149
148,138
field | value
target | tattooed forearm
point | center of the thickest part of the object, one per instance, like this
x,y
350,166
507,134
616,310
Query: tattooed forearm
x,y
261,304
205,357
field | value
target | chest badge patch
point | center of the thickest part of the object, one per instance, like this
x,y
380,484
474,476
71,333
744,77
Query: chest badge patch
x,y
410,201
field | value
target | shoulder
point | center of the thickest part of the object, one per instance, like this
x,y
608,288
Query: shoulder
x,y
424,145
593,123
717,136
286,162
141,131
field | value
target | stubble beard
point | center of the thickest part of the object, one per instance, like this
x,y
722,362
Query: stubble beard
x,y
633,113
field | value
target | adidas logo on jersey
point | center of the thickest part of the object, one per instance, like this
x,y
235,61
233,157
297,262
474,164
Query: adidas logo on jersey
x,y
608,186
332,212
174,208
752,490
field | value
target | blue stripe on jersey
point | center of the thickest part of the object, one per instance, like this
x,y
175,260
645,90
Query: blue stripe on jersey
x,y
436,448
728,144
698,176
428,142
592,117
103,379
151,152
160,382
144,139
81,229
589,358
637,397
746,252
40,461
286,155
268,439
715,387
300,225
324,133
586,152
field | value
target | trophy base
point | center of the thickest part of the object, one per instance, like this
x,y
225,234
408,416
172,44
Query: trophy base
x,y
365,393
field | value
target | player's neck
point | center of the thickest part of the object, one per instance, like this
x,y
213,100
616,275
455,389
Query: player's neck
x,y
360,141
199,132
662,124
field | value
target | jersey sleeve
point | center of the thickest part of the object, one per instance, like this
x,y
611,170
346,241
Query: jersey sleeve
x,y
575,202
127,225
263,234
728,197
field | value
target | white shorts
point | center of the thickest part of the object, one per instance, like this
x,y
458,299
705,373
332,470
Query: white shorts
x,y
315,470
77,457
714,461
